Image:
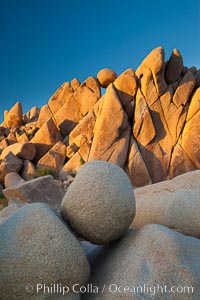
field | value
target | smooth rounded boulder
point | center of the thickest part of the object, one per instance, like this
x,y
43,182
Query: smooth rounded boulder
x,y
106,76
99,204
37,248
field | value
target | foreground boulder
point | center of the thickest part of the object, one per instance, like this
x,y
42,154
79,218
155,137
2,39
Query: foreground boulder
x,y
9,210
36,248
174,203
99,204
42,189
146,264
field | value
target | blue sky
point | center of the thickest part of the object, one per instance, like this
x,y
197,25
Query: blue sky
x,y
45,43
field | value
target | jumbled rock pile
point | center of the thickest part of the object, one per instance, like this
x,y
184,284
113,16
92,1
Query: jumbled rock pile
x,y
146,123
36,247
39,246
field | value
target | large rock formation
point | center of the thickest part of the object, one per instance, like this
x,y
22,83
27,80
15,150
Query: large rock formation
x,y
146,123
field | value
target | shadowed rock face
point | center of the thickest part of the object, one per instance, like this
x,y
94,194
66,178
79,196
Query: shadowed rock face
x,y
146,123
152,255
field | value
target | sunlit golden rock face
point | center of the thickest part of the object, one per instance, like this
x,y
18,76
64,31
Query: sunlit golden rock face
x,y
146,122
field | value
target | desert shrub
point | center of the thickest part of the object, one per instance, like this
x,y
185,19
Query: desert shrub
x,y
3,201
44,172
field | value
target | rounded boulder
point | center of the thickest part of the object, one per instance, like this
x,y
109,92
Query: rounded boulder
x,y
99,204
38,249
106,76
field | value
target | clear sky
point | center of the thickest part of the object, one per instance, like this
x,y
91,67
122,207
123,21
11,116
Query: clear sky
x,y
44,43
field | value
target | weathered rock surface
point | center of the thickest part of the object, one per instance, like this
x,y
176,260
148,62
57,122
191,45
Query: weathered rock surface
x,y
68,116
22,150
60,97
136,168
106,76
155,62
126,85
146,122
13,179
13,118
174,203
99,204
28,170
174,67
72,166
25,238
152,256
44,116
42,189
54,158
8,211
45,138
87,94
32,115
10,163
111,139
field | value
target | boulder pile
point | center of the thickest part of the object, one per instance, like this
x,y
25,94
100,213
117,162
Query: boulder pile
x,y
103,188
145,122
87,251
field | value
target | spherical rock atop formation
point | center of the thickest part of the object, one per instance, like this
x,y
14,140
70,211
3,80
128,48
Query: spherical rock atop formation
x,y
37,248
106,76
100,203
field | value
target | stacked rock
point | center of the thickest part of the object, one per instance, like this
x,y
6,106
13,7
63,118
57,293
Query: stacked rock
x,y
87,251
145,122
99,204
39,254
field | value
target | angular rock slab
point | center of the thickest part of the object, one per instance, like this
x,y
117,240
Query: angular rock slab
x,y
60,97
36,247
42,189
155,62
152,256
111,131
45,138
54,158
174,67
173,203
13,119
22,150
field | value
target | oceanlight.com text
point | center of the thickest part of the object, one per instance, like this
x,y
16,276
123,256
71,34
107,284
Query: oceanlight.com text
x,y
112,288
